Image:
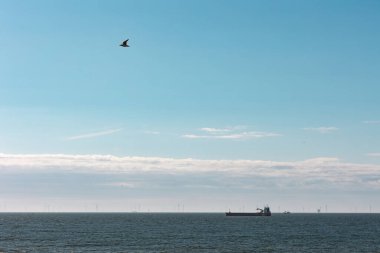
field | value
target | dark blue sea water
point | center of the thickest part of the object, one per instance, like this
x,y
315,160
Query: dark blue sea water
x,y
182,232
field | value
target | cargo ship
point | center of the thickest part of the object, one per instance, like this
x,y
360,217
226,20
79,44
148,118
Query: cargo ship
x,y
260,212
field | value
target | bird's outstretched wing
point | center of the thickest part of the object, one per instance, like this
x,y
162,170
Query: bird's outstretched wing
x,y
125,43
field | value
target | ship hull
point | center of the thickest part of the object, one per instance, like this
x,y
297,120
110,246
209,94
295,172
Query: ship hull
x,y
248,214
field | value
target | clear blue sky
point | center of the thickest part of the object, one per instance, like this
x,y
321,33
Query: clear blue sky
x,y
281,81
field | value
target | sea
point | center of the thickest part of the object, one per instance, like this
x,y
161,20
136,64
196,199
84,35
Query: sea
x,y
188,232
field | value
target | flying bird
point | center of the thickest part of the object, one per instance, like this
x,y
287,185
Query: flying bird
x,y
125,43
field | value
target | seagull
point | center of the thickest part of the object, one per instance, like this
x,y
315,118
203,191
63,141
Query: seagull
x,y
125,43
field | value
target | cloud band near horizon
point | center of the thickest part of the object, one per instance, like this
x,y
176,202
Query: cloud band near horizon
x,y
317,172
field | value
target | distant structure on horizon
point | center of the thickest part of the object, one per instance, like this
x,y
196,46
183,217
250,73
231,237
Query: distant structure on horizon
x,y
261,212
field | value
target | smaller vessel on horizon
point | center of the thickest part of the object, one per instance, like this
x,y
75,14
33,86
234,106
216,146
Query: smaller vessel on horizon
x,y
261,212
286,212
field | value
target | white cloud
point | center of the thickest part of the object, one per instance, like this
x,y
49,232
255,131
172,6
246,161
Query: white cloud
x,y
371,122
94,134
374,154
322,130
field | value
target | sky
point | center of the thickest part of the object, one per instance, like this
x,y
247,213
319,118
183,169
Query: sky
x,y
215,105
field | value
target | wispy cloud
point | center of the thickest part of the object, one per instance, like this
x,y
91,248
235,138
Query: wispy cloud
x,y
122,184
242,135
151,132
94,134
233,133
322,130
215,130
371,122
374,154
222,130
